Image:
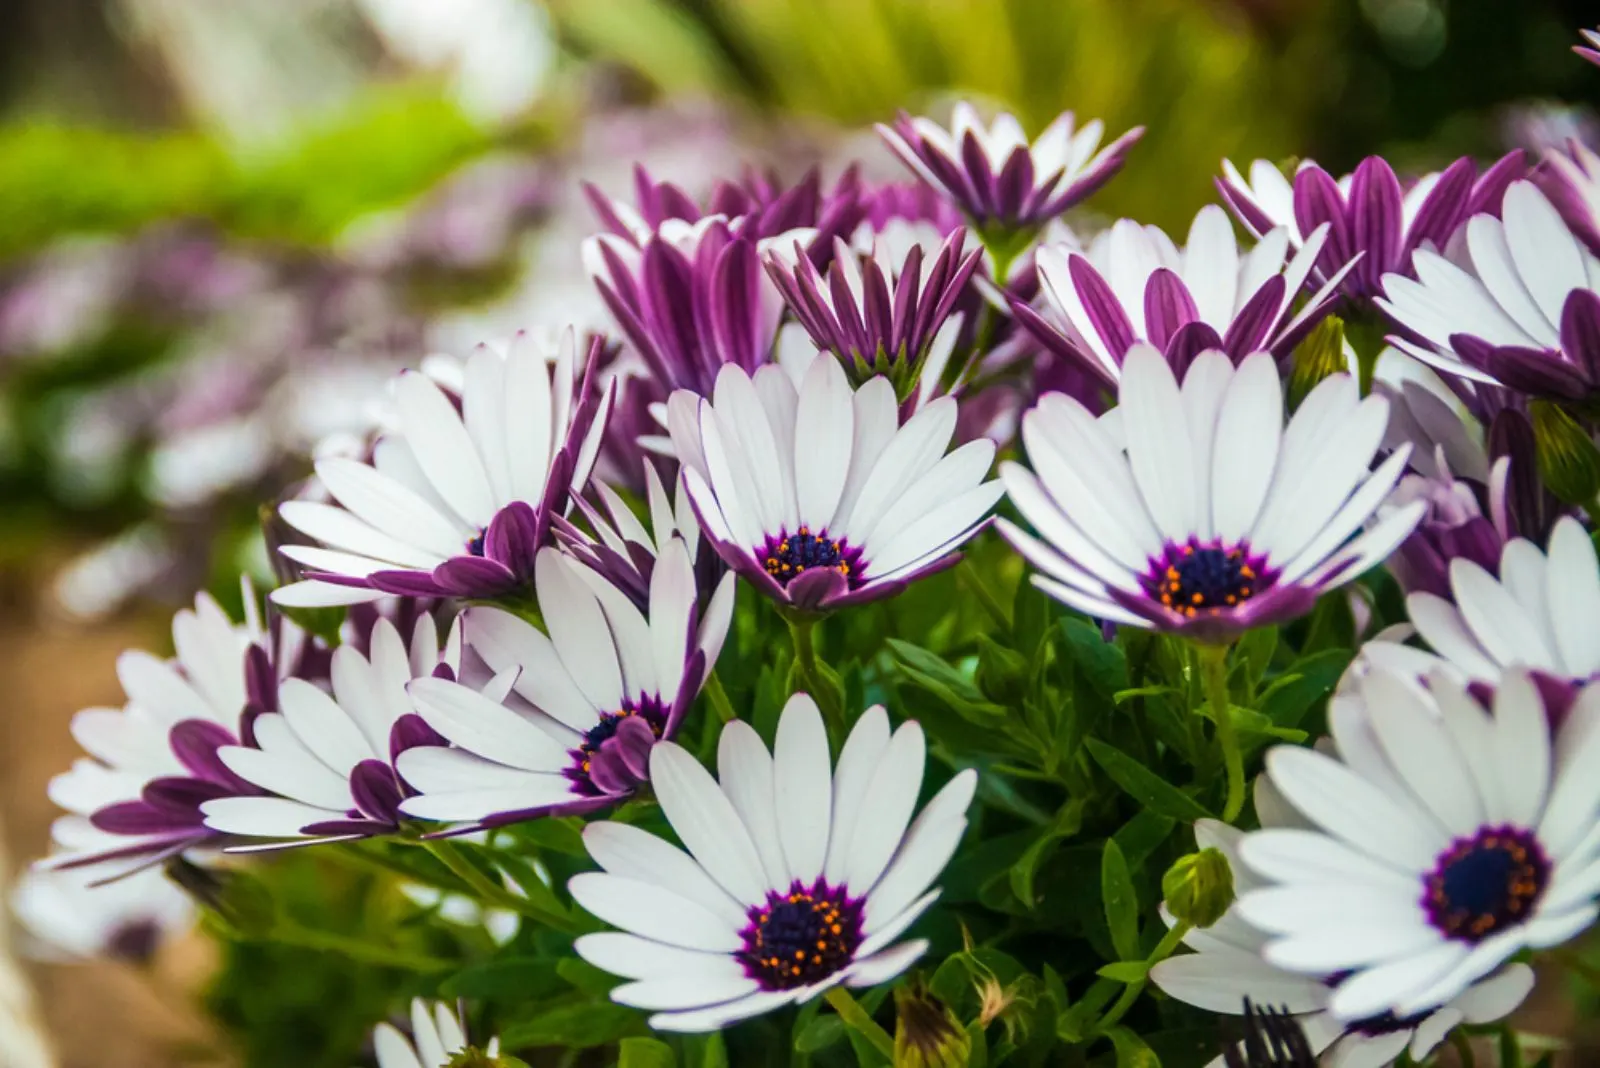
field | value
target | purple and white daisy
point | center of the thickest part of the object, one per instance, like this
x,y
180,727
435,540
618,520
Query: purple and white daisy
x,y
1212,516
1542,615
1523,312
1368,213
66,916
819,496
876,313
325,760
1446,837
625,550
1227,968
1571,180
457,500
1135,285
587,702
999,180
797,876
436,1037
153,762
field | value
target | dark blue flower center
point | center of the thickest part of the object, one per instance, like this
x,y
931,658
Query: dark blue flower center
x,y
1195,579
786,556
1484,883
475,546
801,936
648,709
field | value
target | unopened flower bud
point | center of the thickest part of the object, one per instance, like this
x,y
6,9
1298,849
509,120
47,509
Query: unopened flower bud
x,y
927,1034
1199,887
1319,356
472,1057
1002,673
238,898
1569,462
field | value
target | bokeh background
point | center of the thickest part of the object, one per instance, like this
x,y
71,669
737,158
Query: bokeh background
x,y
224,222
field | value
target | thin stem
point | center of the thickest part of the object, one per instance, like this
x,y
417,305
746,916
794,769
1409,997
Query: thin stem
x,y
1173,938
485,889
824,694
969,572
1463,1046
290,933
856,1018
1214,667
719,699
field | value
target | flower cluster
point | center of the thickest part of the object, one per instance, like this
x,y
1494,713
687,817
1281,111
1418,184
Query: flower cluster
x,y
495,672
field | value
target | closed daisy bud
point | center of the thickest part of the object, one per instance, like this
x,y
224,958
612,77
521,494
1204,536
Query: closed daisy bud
x,y
927,1034
238,897
1569,463
1198,888
1319,356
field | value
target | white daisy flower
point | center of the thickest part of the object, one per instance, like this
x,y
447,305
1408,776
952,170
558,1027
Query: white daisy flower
x,y
70,918
797,877
624,549
1541,614
436,1037
1227,967
1214,516
819,496
1445,839
1523,311
325,761
459,498
585,703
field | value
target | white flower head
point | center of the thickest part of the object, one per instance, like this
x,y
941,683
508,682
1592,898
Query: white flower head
x,y
797,877
436,1037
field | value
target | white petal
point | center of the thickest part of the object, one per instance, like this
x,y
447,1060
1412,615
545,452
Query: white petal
x,y
824,436
887,804
444,449
859,761
652,912
744,769
706,823
1246,451
1159,448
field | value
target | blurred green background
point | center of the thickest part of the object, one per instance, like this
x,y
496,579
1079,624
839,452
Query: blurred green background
x,y
223,222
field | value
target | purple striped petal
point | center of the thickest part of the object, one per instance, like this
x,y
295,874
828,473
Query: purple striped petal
x,y
373,788
737,321
979,174
608,773
1317,200
1188,343
632,744
406,583
513,537
1580,330
1252,328
411,731
810,590
1168,306
1014,187
140,818
1442,210
1106,314
473,576
1243,207
195,743
1489,194
1375,222
1536,371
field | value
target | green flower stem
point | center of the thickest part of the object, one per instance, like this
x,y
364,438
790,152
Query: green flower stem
x,y
1131,992
487,892
719,699
822,691
1463,1046
1214,667
856,1018
293,934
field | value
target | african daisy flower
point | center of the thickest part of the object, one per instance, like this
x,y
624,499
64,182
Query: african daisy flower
x,y
1368,213
1212,516
1524,312
325,760
1571,180
999,180
797,877
68,916
436,1037
1134,285
1227,968
457,500
818,495
588,701
152,763
1448,836
876,313
1541,614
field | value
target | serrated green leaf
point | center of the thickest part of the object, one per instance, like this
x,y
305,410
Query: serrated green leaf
x,y
645,1053
1144,785
1120,901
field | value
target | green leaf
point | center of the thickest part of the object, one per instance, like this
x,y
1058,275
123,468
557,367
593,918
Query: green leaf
x,y
645,1053
1125,971
576,1026
935,675
1291,695
1141,836
1102,663
1131,1049
559,834
585,976
1254,652
1065,824
712,1053
1144,785
819,1034
514,977
1123,696
1120,900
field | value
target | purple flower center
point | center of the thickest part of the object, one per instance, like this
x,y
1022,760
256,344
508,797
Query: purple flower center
x,y
801,936
1192,579
1485,882
648,710
786,556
